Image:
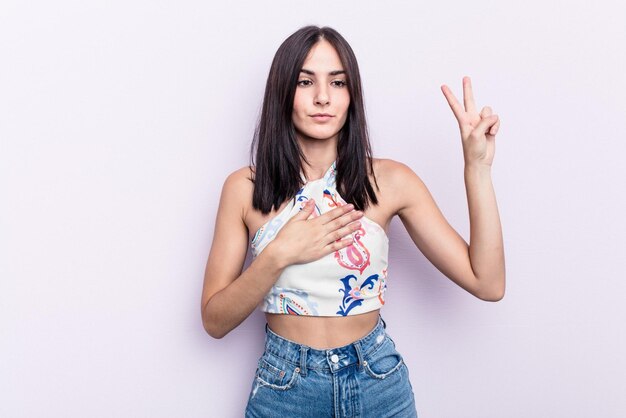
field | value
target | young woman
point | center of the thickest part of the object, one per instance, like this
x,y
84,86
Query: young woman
x,y
314,207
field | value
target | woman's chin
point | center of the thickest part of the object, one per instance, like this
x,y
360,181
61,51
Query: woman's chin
x,y
318,136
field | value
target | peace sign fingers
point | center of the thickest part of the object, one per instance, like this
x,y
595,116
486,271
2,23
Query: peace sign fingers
x,y
466,115
468,96
478,130
456,107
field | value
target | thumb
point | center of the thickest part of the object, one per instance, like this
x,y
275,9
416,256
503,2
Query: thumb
x,y
485,124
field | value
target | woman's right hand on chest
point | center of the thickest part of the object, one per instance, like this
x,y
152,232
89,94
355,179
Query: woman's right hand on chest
x,y
303,240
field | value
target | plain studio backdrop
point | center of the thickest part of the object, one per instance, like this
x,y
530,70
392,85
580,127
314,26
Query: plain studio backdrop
x,y
119,122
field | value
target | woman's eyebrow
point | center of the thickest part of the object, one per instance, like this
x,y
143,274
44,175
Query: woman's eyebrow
x,y
336,72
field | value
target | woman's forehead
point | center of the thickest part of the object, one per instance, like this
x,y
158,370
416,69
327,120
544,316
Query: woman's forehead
x,y
322,58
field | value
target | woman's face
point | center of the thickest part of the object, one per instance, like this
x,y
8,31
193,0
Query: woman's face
x,y
322,90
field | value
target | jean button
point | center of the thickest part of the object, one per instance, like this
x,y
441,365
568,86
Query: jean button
x,y
334,358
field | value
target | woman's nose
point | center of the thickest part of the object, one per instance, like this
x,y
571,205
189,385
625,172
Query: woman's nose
x,y
321,97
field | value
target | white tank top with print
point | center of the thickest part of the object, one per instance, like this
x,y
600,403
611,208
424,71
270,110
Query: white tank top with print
x,y
350,281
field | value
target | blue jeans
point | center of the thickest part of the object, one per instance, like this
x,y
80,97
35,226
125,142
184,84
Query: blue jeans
x,y
366,378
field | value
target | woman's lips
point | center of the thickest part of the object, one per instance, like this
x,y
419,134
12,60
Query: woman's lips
x,y
321,118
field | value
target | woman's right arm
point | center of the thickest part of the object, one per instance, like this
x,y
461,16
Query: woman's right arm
x,y
230,296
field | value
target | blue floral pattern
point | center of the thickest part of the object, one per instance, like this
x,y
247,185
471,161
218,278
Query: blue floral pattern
x,y
353,296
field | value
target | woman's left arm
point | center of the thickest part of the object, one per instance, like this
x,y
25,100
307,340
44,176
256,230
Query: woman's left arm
x,y
477,267
478,133
486,250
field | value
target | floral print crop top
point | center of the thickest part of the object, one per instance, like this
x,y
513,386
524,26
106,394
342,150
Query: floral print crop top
x,y
349,281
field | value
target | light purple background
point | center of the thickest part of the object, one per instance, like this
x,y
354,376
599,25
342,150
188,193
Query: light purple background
x,y
119,122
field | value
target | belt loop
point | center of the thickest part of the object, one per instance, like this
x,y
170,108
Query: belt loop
x,y
359,354
266,327
381,318
303,350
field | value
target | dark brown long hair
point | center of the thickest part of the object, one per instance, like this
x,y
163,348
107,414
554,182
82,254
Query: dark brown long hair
x,y
278,155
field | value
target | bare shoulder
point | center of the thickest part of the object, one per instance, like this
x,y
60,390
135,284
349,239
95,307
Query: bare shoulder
x,y
393,174
241,176
392,170
238,188
398,183
240,180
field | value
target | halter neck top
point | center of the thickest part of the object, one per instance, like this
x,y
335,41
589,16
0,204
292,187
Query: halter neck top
x,y
350,281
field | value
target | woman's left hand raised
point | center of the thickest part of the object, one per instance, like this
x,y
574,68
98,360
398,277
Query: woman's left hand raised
x,y
478,130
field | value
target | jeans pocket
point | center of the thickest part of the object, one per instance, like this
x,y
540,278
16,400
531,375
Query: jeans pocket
x,y
276,373
384,361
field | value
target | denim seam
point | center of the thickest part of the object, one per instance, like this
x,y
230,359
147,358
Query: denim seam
x,y
303,352
264,364
281,359
286,386
387,374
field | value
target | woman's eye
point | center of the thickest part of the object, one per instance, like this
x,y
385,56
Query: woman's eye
x,y
337,83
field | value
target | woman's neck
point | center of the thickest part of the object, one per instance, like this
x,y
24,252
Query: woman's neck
x,y
320,155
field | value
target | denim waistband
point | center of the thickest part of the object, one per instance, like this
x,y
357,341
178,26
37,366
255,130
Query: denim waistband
x,y
332,359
